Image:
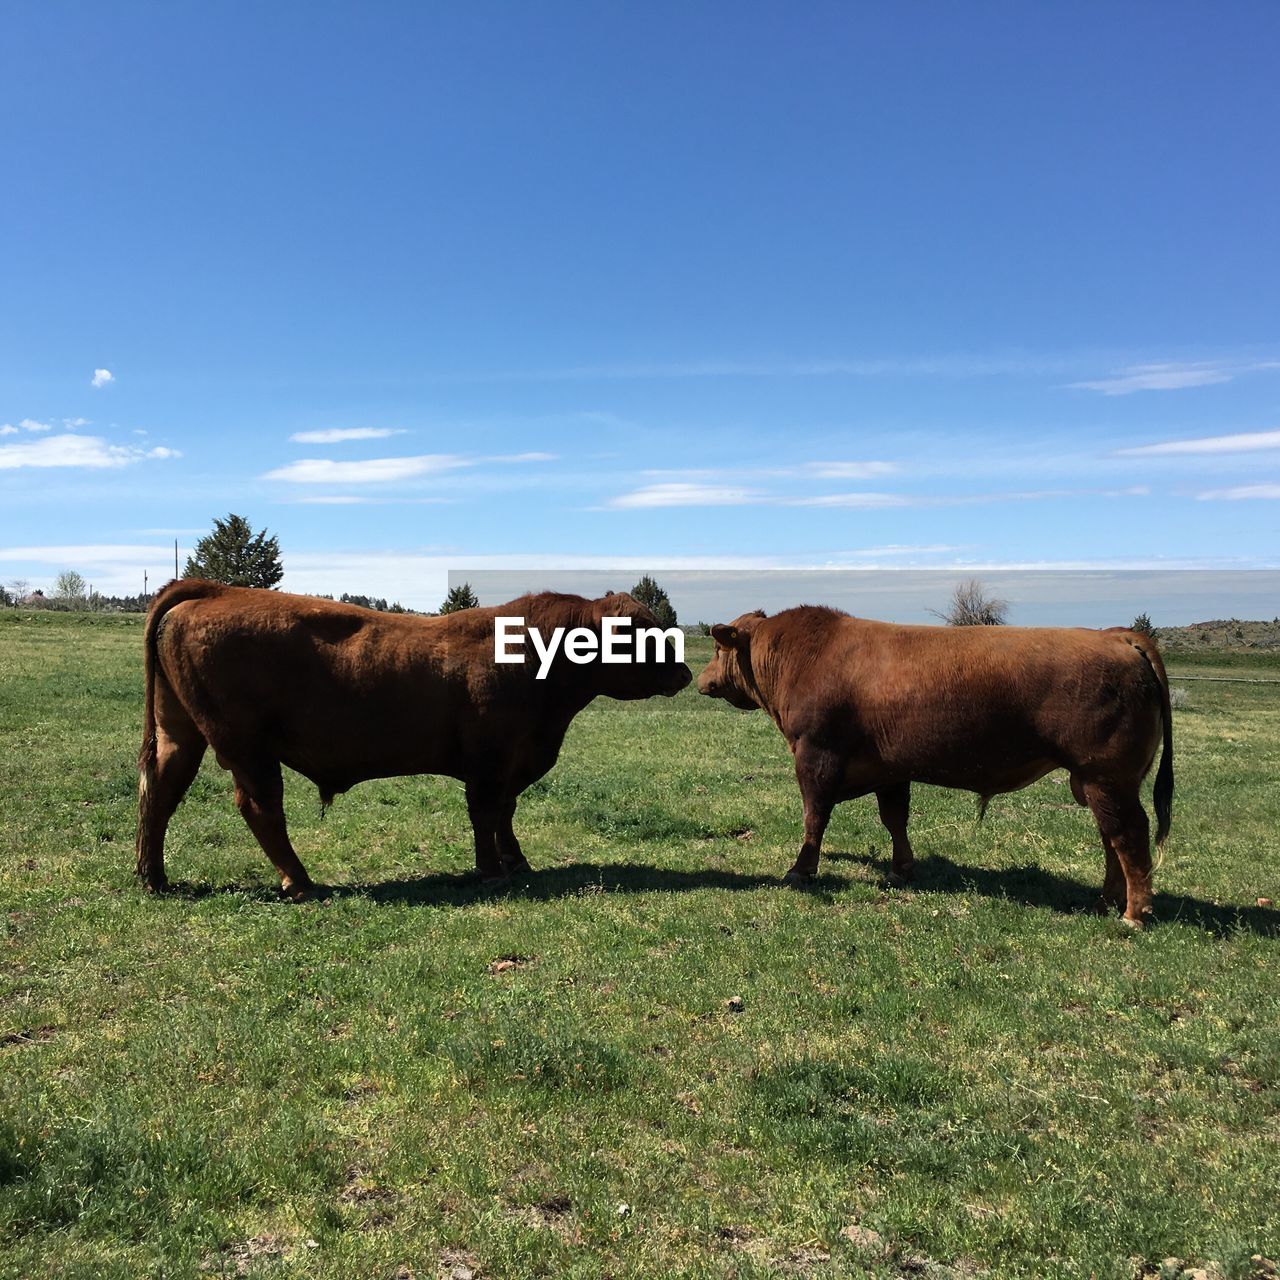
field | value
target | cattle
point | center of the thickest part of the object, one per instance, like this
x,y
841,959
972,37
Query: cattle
x,y
873,707
342,694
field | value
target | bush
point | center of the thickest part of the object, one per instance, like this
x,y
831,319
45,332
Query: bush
x,y
971,607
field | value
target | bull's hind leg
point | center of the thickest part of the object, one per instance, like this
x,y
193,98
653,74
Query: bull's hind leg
x,y
165,772
260,799
1126,841
895,809
1114,888
818,773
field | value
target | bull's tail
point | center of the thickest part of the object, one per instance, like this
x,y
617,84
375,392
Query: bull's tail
x,y
1162,792
173,593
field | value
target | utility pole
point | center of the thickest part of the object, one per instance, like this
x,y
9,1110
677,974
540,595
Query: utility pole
x,y
144,584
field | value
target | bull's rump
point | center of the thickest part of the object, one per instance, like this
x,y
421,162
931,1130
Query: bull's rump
x,y
987,709
338,693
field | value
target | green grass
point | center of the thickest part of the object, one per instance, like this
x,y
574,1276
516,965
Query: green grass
x,y
975,1069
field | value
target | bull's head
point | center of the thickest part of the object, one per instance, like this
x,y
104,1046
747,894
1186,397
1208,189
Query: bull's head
x,y
729,674
660,674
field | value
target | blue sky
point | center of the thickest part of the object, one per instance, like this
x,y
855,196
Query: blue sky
x,y
670,284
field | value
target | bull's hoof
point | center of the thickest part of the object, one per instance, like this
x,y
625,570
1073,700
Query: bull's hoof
x,y
798,879
517,867
494,879
155,884
1133,924
899,877
298,890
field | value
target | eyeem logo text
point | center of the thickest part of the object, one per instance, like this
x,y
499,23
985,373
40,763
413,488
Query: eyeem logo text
x,y
615,643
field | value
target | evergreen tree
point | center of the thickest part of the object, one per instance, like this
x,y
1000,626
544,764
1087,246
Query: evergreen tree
x,y
234,554
460,597
655,599
1142,625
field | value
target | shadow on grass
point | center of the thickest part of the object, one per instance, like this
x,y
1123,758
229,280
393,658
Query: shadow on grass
x,y
1036,887
439,888
579,878
935,873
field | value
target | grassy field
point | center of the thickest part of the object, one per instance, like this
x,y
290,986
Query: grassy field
x,y
647,1060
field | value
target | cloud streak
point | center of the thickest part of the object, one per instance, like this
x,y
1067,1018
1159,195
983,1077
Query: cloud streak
x,y
1170,376
1240,442
368,471
684,494
708,495
336,435
101,377
1242,493
387,470
76,451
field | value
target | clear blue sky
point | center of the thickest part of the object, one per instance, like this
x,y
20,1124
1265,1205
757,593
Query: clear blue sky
x,y
754,284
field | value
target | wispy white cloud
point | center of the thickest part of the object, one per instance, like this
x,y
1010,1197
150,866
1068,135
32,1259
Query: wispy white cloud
x,y
101,377
367,471
30,424
1241,493
1171,376
389,470
161,451
85,553
864,500
74,451
359,500
683,494
73,424
900,549
849,470
1240,442
686,494
941,366
970,499
335,435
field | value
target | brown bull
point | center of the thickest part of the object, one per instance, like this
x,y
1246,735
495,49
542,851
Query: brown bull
x,y
342,694
869,706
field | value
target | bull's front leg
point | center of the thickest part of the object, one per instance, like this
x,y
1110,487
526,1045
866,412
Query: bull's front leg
x,y
485,812
509,852
818,773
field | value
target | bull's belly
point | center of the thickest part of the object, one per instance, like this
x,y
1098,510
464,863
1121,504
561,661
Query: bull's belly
x,y
334,774
960,775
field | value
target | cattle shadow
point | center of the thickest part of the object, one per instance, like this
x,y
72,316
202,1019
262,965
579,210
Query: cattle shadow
x,y
446,888
935,873
1036,887
579,879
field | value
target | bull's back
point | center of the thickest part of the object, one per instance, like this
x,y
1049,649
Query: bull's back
x,y
329,691
987,708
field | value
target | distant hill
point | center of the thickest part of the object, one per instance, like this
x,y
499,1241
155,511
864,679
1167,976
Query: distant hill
x,y
1229,634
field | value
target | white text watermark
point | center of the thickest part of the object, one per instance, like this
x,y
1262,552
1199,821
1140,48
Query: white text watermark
x,y
615,643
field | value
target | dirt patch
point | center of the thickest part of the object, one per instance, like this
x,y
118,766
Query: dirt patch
x,y
28,1035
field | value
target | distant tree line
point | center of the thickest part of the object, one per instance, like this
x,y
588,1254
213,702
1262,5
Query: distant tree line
x,y
18,593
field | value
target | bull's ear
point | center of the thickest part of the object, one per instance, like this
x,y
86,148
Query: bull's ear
x,y
619,604
726,635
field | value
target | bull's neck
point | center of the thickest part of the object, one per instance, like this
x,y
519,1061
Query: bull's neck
x,y
757,669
